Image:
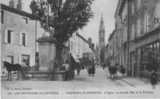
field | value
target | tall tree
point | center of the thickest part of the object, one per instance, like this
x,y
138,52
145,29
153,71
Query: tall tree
x,y
67,17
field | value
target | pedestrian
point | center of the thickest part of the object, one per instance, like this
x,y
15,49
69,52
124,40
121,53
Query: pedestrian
x,y
111,72
93,68
93,71
67,70
122,70
78,68
89,67
154,79
89,70
104,65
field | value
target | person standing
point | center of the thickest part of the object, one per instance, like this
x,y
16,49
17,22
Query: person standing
x,y
89,66
93,68
154,79
122,70
78,68
67,70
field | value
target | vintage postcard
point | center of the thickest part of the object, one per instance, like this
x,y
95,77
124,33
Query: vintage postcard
x,y
80,49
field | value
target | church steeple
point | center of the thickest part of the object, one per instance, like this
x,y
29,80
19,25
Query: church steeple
x,y
101,41
102,33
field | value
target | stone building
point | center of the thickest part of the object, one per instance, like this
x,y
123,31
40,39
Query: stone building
x,y
18,36
117,42
137,36
79,45
19,33
121,33
144,28
111,48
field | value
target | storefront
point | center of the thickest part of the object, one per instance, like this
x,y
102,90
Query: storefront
x,y
150,58
144,54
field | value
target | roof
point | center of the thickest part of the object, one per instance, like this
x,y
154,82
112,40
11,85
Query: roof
x,y
85,41
111,35
120,6
82,38
17,11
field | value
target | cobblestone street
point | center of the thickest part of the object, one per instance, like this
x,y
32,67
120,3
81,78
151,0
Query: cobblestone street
x,y
100,83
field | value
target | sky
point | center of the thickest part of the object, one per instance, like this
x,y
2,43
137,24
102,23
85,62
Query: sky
x,y
100,7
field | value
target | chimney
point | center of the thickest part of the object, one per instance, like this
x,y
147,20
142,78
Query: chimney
x,y
11,3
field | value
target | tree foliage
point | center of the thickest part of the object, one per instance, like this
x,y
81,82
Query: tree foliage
x,y
66,18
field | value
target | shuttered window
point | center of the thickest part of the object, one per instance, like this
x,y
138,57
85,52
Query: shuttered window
x,y
8,36
23,39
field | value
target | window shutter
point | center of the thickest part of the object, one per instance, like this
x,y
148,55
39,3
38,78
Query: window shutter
x,y
5,36
8,36
26,39
12,36
20,38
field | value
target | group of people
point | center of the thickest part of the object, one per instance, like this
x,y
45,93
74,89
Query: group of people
x,y
91,67
70,67
154,79
114,69
91,70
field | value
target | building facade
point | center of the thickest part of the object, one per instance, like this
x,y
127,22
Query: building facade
x,y
145,36
110,49
78,46
121,34
135,43
18,36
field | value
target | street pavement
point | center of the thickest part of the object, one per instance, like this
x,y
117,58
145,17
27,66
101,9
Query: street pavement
x,y
82,87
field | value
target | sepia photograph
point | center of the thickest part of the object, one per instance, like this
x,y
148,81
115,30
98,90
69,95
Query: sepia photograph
x,y
80,49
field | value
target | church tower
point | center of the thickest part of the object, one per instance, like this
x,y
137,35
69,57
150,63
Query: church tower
x,y
101,33
101,40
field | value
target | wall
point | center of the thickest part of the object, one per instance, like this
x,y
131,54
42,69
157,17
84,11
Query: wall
x,y
120,36
144,18
17,24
